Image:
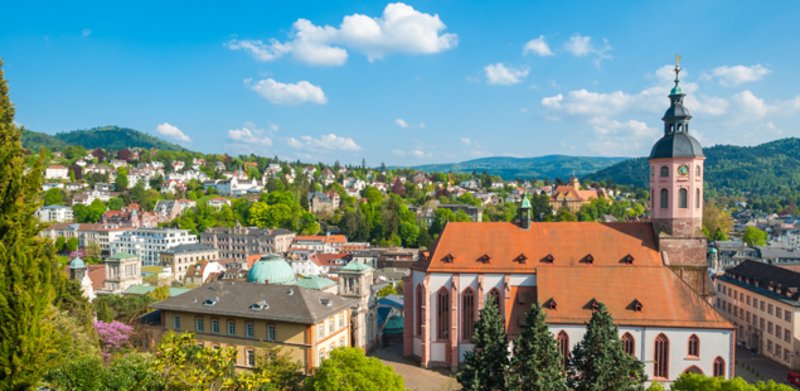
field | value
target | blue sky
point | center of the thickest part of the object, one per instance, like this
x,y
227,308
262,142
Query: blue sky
x,y
406,83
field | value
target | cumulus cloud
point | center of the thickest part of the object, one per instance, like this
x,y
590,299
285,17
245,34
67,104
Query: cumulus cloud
x,y
613,137
400,29
326,142
730,76
401,123
289,93
500,74
537,46
407,125
250,136
582,46
466,141
169,130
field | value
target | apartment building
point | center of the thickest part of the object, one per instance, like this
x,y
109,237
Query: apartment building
x,y
181,257
149,243
240,242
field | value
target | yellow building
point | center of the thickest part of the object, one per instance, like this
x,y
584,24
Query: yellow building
x,y
307,324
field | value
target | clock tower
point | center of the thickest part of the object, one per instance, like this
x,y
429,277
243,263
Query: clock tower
x,y
676,192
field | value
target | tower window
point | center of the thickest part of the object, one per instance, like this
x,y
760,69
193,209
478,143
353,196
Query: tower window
x,y
420,299
664,171
697,171
697,199
664,199
442,314
683,196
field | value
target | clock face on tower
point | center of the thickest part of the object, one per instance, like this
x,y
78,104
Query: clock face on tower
x,y
683,170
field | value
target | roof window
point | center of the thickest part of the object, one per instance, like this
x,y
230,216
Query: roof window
x,y
211,301
260,306
549,258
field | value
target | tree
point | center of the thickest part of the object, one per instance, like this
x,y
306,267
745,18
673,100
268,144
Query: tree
x,y
754,236
536,363
485,366
599,361
54,196
121,181
184,365
115,203
113,335
159,294
28,264
564,214
349,369
717,222
697,382
72,244
284,372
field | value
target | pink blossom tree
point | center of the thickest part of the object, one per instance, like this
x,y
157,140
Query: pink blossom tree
x,y
113,336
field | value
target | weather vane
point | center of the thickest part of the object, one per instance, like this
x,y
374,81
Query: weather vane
x,y
678,59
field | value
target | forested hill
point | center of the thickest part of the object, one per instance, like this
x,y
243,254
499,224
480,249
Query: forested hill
x,y
772,168
108,137
550,166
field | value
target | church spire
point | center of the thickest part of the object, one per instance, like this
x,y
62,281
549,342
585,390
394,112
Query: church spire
x,y
676,119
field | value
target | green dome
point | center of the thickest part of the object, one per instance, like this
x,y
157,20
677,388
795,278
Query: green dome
x,y
271,269
77,263
713,250
526,203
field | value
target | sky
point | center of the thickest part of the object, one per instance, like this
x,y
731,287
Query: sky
x,y
405,83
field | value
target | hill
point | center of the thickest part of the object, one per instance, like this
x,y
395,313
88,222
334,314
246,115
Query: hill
x,y
771,168
114,138
549,167
35,141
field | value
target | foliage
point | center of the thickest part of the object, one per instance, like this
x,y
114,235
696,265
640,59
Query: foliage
x,y
386,291
89,214
55,196
564,214
485,366
717,222
115,203
284,373
754,236
84,373
115,138
124,308
132,371
281,209
183,364
599,361
121,180
551,166
698,382
597,208
161,293
113,335
349,369
536,362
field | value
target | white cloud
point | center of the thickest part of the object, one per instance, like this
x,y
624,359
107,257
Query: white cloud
x,y
289,93
748,105
407,125
537,46
466,141
169,130
326,142
250,136
400,29
499,74
730,76
401,123
582,46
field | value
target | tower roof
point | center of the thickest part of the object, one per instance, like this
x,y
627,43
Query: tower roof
x,y
77,263
676,141
676,145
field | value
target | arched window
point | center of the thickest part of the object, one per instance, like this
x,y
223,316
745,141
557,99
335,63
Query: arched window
x,y
420,302
494,294
694,369
628,344
680,127
661,357
442,314
467,314
664,171
697,199
719,367
683,198
694,346
697,171
664,199
563,347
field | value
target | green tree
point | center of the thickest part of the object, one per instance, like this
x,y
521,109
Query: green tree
x,y
115,203
485,366
159,294
536,363
121,180
183,365
72,244
698,382
564,214
28,264
599,361
754,236
717,222
349,369
54,196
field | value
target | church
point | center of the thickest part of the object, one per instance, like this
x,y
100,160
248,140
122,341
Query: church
x,y
652,276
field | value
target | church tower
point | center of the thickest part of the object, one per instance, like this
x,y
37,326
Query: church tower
x,y
676,193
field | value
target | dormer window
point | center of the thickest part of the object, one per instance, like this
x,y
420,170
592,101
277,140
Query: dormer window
x,y
484,258
550,303
588,259
448,258
211,301
520,258
260,306
548,258
635,306
628,259
592,305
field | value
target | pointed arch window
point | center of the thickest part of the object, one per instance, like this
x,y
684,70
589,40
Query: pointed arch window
x,y
442,314
694,346
494,294
683,198
661,357
420,301
664,199
697,199
563,347
664,171
628,344
719,367
467,314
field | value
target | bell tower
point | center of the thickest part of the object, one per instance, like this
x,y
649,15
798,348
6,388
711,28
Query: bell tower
x,y
676,193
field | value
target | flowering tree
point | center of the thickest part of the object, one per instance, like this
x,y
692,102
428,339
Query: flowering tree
x,y
113,335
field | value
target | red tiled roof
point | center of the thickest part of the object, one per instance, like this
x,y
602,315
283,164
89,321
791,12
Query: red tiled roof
x,y
327,259
321,238
251,259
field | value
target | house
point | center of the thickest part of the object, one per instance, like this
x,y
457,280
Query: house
x,y
88,196
172,186
122,271
54,214
180,257
149,243
319,264
218,202
323,203
56,171
572,197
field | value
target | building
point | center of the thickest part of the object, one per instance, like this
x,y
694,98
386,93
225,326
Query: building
x,y
318,264
240,242
149,243
182,256
306,324
168,210
56,171
323,203
54,214
572,197
355,282
763,301
218,202
122,271
650,275
305,245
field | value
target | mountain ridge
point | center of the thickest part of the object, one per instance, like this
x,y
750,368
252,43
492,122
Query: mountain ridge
x,y
537,167
107,137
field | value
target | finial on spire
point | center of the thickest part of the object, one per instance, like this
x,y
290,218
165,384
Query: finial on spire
x,y
677,68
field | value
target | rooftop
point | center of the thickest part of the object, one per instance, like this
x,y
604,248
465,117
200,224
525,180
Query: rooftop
x,y
187,248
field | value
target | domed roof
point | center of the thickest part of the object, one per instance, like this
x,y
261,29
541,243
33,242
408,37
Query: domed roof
x,y
677,144
271,269
77,263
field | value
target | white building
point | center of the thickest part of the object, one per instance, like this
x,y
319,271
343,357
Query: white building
x,y
54,214
56,171
148,243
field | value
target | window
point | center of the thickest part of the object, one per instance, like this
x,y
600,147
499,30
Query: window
x,y
215,326
697,171
176,322
719,367
271,332
331,326
787,336
467,314
762,305
769,309
251,357
664,171
787,316
231,327
694,346
442,314
661,357
420,300
320,331
664,199
697,199
628,344
769,346
683,196
340,319
778,312
778,331
321,356
769,327
494,294
563,347
198,325
248,330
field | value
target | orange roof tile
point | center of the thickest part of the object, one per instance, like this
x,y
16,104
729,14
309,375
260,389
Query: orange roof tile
x,y
322,238
326,259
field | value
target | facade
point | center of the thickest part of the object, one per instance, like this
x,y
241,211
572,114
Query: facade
x,y
355,282
181,257
122,271
306,324
644,272
323,203
239,242
303,246
572,197
763,301
54,214
56,171
149,243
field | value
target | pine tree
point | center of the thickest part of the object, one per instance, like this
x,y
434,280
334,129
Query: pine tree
x,y
485,366
599,362
536,363
26,268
